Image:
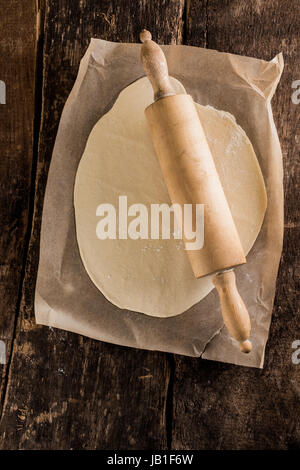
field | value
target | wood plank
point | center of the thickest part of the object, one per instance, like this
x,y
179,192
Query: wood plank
x,y
17,71
218,406
66,391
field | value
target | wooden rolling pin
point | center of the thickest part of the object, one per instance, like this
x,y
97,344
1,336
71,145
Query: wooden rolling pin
x,y
191,178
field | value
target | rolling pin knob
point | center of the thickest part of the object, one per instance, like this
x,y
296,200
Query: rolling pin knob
x,y
246,346
156,67
235,314
145,35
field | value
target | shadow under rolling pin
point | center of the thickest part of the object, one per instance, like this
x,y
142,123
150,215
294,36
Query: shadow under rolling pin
x,y
191,178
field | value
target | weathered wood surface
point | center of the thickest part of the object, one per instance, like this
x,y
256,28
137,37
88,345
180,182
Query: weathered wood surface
x,y
218,406
17,71
65,391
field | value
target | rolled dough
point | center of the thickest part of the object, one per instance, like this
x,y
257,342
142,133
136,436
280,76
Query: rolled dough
x,y
154,276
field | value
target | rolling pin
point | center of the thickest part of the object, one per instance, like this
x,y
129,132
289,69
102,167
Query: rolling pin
x,y
191,177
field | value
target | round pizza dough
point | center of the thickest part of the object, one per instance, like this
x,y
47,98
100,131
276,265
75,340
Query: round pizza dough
x,y
154,276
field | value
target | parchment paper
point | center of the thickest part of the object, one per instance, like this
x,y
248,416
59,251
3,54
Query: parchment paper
x,y
66,298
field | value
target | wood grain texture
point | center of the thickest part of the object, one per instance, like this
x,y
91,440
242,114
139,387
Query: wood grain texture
x,y
17,71
218,406
66,391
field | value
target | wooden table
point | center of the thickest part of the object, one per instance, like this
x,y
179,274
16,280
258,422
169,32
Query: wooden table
x,y
64,391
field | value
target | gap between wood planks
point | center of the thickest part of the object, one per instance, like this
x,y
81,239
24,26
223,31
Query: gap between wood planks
x,y
170,386
38,86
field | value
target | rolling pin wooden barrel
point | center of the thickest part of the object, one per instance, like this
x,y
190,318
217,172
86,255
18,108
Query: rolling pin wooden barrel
x,y
191,177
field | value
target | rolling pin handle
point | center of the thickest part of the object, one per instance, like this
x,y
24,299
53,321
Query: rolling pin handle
x,y
235,314
155,65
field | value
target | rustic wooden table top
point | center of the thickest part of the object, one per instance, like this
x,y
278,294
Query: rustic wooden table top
x,y
64,391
